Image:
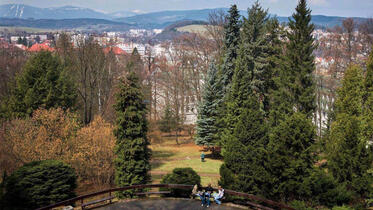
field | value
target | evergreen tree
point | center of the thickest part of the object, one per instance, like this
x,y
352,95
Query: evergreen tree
x,y
250,67
208,110
275,75
368,101
349,155
291,160
43,82
300,58
231,43
245,152
252,61
291,106
39,183
226,71
168,122
132,152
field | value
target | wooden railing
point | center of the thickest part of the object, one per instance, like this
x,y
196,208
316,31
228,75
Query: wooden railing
x,y
262,201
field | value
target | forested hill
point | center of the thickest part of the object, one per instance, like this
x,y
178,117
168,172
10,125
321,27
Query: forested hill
x,y
81,23
165,18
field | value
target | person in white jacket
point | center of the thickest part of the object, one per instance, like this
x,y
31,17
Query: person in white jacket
x,y
219,196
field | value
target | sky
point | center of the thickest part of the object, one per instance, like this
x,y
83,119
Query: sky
x,y
346,8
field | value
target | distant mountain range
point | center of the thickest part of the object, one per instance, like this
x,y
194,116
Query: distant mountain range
x,y
66,12
17,14
84,24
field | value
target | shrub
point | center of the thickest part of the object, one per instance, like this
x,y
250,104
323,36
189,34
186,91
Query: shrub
x,y
342,208
181,176
300,205
92,154
45,136
326,191
38,184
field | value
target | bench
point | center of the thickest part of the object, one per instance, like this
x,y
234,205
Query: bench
x,y
97,201
153,193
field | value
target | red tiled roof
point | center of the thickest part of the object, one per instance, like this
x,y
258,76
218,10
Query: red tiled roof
x,y
40,47
115,50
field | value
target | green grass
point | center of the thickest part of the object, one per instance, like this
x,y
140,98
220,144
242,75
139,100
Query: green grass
x,y
208,167
168,155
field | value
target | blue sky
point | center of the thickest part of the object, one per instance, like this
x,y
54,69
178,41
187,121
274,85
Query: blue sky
x,y
357,8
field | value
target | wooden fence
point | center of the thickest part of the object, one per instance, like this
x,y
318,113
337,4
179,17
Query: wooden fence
x,y
260,202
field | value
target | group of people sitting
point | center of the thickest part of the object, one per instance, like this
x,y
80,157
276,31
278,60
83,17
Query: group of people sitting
x,y
207,193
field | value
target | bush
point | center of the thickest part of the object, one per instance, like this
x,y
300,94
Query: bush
x,y
181,176
300,205
326,191
342,208
38,184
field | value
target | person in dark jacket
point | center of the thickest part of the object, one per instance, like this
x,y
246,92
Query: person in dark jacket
x,y
209,190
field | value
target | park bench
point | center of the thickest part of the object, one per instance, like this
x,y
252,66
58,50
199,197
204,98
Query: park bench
x,y
84,205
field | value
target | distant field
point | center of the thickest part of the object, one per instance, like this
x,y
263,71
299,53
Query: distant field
x,y
200,29
27,29
168,155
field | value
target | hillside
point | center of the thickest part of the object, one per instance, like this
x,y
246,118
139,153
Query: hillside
x,y
66,12
165,18
83,24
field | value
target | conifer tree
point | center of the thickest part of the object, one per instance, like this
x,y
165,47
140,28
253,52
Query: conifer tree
x,y
231,43
132,152
348,152
43,82
292,133
291,160
168,121
368,101
226,72
250,66
301,60
245,153
253,53
245,137
208,110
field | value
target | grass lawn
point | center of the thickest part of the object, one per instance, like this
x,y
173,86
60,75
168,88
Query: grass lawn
x,y
168,155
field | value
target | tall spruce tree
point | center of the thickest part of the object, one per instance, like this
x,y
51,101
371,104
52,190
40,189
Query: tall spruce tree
x,y
292,134
278,102
231,43
43,82
132,152
368,101
348,152
245,137
301,60
208,110
252,58
250,66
